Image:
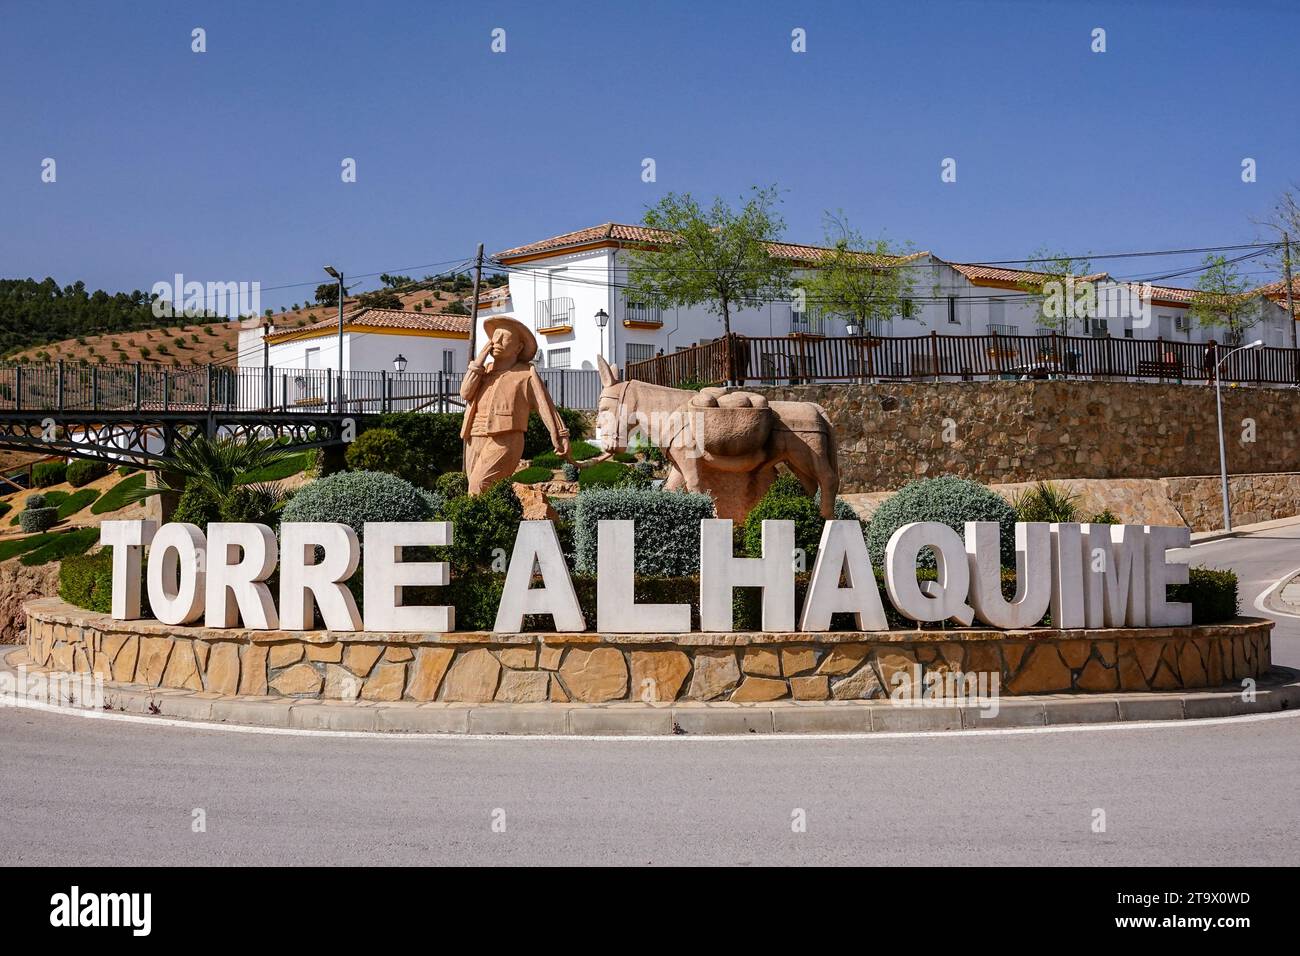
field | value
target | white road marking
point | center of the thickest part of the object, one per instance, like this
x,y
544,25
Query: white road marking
x,y
7,700
1261,602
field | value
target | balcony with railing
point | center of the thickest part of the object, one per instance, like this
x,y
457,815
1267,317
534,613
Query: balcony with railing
x,y
999,328
552,316
642,315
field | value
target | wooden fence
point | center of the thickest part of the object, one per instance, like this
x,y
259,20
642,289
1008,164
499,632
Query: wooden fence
x,y
798,359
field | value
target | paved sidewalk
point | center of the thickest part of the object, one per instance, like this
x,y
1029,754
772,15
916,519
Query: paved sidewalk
x,y
1281,692
1200,537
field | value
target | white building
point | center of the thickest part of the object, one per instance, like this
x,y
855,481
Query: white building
x,y
390,358
560,285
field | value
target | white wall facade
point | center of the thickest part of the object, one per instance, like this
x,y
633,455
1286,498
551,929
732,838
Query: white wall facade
x,y
944,301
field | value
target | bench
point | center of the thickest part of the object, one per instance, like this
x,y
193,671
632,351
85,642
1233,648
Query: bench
x,y
1152,368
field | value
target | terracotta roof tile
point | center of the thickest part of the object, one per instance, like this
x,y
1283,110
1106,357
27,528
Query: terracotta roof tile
x,y
622,232
384,319
978,273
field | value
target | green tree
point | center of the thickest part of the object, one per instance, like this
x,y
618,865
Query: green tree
x,y
395,281
327,293
1222,300
1060,290
380,299
716,257
860,280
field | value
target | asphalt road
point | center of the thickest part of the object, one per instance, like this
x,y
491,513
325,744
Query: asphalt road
x,y
77,791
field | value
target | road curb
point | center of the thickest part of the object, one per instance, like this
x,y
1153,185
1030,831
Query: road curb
x,y
1280,692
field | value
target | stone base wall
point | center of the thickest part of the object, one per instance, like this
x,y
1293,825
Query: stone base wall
x,y
1252,497
892,432
477,667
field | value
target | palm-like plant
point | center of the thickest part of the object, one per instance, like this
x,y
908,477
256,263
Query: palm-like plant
x,y
219,467
1046,502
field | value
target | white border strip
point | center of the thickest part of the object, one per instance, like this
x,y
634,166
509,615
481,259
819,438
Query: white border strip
x,y
1193,723
1261,602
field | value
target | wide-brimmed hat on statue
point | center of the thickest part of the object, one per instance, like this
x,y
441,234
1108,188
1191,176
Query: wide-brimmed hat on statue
x,y
528,346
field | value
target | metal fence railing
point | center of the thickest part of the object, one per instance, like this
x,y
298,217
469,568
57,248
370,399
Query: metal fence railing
x,y
797,359
202,388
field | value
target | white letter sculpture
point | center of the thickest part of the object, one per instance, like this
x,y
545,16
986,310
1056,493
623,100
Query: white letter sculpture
x,y
176,574
948,600
1160,574
842,551
1067,576
240,559
1033,573
720,571
1115,584
616,609
128,539
305,582
385,574
536,545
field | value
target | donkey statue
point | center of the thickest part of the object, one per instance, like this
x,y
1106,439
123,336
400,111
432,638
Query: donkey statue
x,y
724,443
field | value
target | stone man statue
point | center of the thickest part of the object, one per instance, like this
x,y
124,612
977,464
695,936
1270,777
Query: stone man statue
x,y
498,399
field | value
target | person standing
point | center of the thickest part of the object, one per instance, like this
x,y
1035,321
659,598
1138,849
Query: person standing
x,y
498,399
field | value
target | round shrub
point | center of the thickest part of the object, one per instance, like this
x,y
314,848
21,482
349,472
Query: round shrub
x,y
37,500
452,485
570,471
38,519
355,497
800,509
378,449
83,472
948,500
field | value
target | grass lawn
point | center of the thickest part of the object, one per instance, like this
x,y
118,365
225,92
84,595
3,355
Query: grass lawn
x,y
76,501
285,469
532,475
115,497
62,544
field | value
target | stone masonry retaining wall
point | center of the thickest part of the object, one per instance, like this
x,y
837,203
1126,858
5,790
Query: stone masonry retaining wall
x,y
479,667
892,432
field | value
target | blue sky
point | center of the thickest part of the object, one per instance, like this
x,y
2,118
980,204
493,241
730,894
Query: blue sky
x,y
226,165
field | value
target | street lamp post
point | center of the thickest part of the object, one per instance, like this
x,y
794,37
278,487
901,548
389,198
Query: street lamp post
x,y
1218,408
602,320
330,270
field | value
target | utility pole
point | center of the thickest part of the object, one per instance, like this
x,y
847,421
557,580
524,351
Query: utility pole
x,y
342,292
473,340
473,313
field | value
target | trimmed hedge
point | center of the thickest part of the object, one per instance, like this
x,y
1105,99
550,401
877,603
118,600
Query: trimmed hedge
x,y
667,527
34,520
115,497
5,508
1211,592
86,581
948,500
82,472
378,449
49,473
